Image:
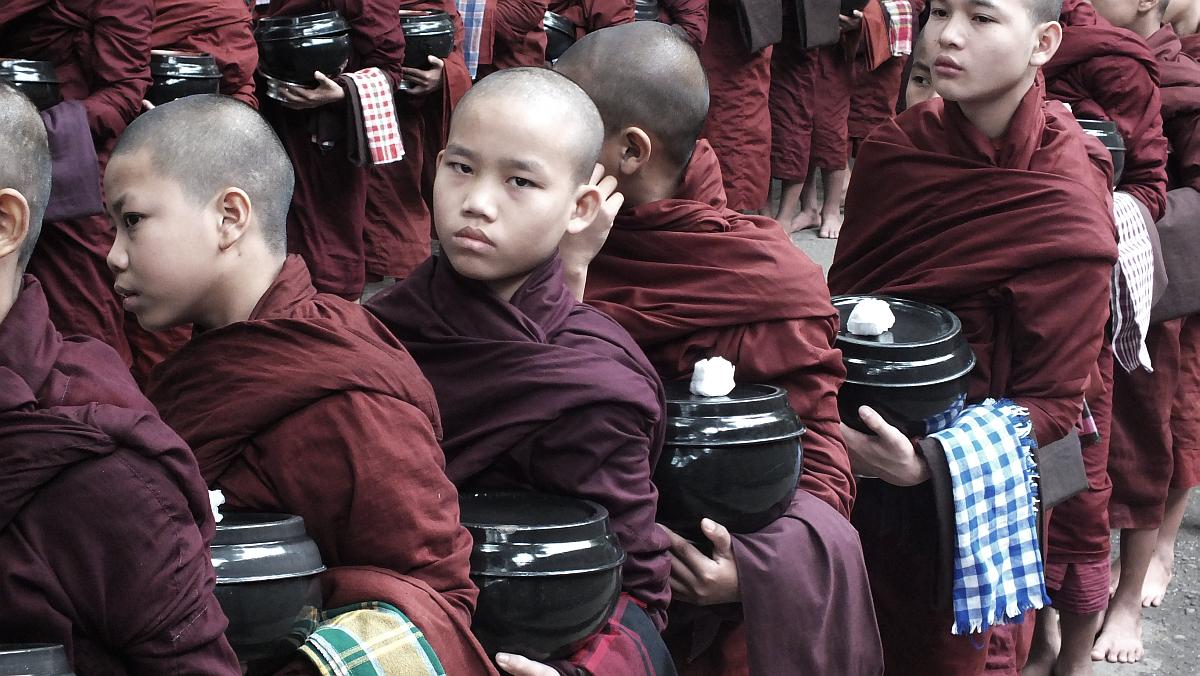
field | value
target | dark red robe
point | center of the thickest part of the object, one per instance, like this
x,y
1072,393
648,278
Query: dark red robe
x,y
873,97
1185,413
690,278
590,16
832,82
86,466
791,104
101,52
691,16
990,256
519,38
312,408
1108,73
218,27
542,393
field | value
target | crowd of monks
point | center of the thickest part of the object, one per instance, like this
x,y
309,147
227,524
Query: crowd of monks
x,y
182,309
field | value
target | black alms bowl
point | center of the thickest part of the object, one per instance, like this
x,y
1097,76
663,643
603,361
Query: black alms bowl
x,y
849,7
560,35
426,34
733,459
548,570
645,10
35,79
914,375
1107,132
34,659
178,74
292,48
267,583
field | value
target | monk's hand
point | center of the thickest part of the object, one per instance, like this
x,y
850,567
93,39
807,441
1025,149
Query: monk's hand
x,y
423,81
698,579
888,455
850,23
578,249
523,666
301,98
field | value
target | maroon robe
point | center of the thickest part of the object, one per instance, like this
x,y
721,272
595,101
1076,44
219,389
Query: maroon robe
x,y
873,97
739,117
690,278
101,52
791,104
311,407
519,39
691,16
1108,73
590,16
542,393
990,256
86,466
1185,413
832,83
218,27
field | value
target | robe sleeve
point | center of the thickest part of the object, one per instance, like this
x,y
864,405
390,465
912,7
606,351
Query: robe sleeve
x,y
1184,132
376,35
13,9
604,13
519,27
120,65
689,15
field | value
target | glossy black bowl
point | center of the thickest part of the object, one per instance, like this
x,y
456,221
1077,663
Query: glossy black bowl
x,y
560,35
914,375
34,659
178,74
267,583
548,570
733,459
645,10
849,7
1107,132
426,34
35,79
292,48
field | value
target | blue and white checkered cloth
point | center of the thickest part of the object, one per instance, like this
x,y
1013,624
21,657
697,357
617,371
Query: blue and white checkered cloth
x,y
471,12
998,573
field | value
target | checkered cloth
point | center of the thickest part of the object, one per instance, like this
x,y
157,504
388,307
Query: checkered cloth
x,y
998,573
472,16
370,639
940,421
378,115
1132,285
900,25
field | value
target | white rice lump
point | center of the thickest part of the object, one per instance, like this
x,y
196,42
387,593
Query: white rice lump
x,y
712,377
870,317
215,500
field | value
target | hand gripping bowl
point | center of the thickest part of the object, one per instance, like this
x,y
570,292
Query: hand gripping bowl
x,y
178,74
292,48
35,79
267,583
548,569
914,375
560,35
34,659
733,459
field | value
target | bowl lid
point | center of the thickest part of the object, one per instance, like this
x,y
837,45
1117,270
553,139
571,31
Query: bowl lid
x,y
417,22
559,23
1105,130
171,63
259,546
525,534
25,70
33,659
750,414
307,26
925,346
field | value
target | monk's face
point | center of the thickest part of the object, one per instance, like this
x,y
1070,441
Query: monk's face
x,y
163,256
506,190
1120,13
920,84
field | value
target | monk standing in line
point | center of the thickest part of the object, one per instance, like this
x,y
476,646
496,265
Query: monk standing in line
x,y
293,401
104,519
520,37
967,228
690,278
592,15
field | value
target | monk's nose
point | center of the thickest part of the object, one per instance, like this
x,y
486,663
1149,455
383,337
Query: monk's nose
x,y
480,201
117,258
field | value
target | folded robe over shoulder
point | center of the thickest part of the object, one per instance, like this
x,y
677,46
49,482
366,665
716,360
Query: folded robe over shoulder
x,y
1022,252
311,408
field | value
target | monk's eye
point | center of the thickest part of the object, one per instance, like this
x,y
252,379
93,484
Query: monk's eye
x,y
460,168
522,182
939,12
921,80
131,220
979,18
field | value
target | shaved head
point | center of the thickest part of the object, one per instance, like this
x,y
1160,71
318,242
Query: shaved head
x,y
208,143
646,75
1045,10
24,160
576,117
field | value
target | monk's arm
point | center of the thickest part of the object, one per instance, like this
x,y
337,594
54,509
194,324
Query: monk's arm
x,y
691,16
1058,315
1184,132
517,18
376,36
120,63
604,13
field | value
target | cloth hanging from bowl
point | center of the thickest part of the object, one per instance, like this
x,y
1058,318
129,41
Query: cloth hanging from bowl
x,y
372,104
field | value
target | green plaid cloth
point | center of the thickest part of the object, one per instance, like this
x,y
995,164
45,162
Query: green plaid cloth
x,y
370,639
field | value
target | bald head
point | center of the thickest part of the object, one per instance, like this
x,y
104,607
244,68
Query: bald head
x,y
24,160
646,75
1044,10
571,114
208,143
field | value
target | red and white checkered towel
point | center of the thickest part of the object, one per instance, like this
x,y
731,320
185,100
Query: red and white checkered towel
x,y
1133,284
900,26
378,115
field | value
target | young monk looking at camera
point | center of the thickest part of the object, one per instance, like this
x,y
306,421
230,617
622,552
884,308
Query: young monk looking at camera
x,y
1028,225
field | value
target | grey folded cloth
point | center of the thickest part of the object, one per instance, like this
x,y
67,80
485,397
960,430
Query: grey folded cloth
x,y
1179,230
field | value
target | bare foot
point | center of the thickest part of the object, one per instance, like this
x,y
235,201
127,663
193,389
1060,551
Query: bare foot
x,y
831,226
1114,576
1158,577
1040,666
1120,639
804,220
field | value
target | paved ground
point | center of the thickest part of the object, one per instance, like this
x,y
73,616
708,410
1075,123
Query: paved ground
x,y
1172,632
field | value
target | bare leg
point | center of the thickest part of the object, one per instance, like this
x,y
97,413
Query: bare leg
x,y
831,210
810,210
1078,633
789,203
1120,639
1046,641
1158,576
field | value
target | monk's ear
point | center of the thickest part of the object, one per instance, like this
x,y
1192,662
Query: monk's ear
x,y
587,206
1147,6
14,221
636,150
236,217
1049,37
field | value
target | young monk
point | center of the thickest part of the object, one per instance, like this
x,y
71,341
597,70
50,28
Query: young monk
x,y
293,401
519,35
919,87
104,519
966,228
537,391
690,278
